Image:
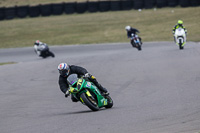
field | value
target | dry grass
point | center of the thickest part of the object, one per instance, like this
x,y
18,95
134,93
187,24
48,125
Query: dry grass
x,y
99,27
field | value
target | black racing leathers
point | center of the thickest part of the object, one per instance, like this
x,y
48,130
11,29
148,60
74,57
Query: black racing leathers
x,y
132,31
178,26
80,71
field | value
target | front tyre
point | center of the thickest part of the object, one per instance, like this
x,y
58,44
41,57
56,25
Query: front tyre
x,y
181,44
133,45
88,101
110,102
181,47
139,47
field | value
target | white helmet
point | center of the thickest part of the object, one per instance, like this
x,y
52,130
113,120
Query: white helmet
x,y
38,42
128,28
63,69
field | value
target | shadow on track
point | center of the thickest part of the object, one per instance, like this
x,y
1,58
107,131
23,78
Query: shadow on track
x,y
82,112
76,112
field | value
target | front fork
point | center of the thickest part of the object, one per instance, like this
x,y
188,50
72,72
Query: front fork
x,y
88,95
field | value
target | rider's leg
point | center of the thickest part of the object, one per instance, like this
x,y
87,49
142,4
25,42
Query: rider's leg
x,y
101,88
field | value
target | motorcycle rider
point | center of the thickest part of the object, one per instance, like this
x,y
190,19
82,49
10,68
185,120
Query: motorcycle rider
x,y
65,70
133,31
179,25
40,47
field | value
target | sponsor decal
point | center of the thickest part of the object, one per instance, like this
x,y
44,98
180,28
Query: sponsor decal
x,y
88,84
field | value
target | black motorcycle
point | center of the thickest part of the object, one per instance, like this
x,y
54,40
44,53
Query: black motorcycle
x,y
43,51
136,41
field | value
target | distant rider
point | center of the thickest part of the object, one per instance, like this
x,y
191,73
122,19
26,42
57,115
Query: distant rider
x,y
40,48
179,25
131,31
65,70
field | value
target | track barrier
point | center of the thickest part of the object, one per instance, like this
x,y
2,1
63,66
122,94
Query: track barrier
x,y
89,6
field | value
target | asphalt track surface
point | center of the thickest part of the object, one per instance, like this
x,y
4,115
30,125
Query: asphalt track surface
x,y
156,90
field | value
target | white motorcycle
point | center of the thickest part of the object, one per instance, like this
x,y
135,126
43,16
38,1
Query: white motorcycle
x,y
180,37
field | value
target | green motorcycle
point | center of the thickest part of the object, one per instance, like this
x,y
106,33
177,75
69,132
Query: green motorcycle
x,y
87,93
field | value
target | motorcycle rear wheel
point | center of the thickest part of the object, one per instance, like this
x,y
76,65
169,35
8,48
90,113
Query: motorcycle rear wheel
x,y
89,102
110,102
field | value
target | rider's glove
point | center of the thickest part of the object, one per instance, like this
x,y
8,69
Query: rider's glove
x,y
67,93
87,75
90,76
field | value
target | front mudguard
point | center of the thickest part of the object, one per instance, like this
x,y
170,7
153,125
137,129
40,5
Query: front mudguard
x,y
177,38
77,95
95,93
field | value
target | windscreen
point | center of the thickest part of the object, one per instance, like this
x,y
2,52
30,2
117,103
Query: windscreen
x,y
72,79
179,32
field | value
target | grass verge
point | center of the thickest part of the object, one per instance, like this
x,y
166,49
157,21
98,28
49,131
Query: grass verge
x,y
5,63
101,27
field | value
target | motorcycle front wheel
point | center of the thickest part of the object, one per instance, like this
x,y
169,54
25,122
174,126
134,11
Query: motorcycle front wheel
x,y
133,44
139,47
180,46
89,102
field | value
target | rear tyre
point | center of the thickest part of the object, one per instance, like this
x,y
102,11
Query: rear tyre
x,y
89,102
110,102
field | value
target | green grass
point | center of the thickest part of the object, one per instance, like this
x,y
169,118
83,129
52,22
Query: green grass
x,y
5,63
99,27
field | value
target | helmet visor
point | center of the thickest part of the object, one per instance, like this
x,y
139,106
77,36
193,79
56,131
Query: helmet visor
x,y
64,72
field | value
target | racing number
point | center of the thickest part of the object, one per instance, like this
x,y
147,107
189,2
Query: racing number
x,y
80,81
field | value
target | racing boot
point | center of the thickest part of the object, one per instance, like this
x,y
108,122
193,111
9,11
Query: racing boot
x,y
103,90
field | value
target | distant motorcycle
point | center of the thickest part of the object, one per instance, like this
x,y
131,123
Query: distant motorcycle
x,y
135,41
43,51
180,37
